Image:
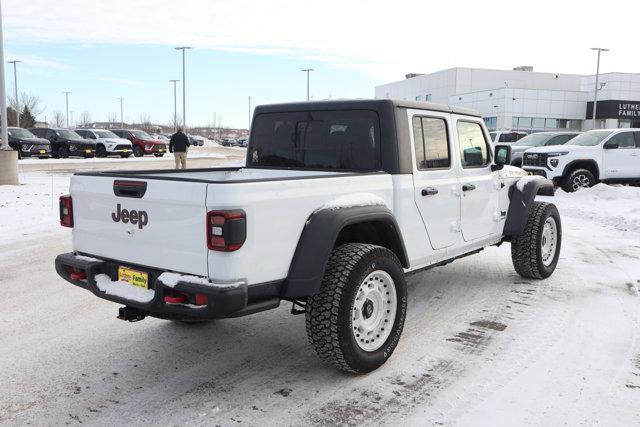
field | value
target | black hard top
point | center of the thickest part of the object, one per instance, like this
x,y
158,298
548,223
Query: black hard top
x,y
362,104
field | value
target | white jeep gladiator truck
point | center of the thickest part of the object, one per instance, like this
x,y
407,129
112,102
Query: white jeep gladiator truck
x,y
603,155
338,200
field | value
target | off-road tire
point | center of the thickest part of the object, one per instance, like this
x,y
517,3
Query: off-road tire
x,y
138,152
569,183
526,249
63,152
329,312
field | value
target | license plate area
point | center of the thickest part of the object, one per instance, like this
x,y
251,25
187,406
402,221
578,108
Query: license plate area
x,y
133,277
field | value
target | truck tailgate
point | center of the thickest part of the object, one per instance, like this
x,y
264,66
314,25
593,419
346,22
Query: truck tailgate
x,y
165,228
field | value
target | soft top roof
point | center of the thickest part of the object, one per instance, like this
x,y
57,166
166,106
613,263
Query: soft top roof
x,y
362,104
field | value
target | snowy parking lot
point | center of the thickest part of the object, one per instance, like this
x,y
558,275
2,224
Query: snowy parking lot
x,y
480,346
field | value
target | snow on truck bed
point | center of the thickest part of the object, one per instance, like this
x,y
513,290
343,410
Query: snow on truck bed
x,y
243,174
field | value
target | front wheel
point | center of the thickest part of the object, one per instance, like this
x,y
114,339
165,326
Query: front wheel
x,y
355,320
535,252
63,152
101,151
579,178
125,156
159,155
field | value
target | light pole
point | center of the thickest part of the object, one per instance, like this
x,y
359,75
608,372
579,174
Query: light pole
x,y
184,86
175,114
308,70
71,119
249,113
595,92
121,115
15,85
66,94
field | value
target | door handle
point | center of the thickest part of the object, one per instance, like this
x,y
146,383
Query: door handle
x,y
468,187
429,191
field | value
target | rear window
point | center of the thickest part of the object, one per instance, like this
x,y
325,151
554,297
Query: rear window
x,y
347,139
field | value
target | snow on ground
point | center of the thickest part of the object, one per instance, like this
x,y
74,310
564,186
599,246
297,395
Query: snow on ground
x,y
480,346
193,154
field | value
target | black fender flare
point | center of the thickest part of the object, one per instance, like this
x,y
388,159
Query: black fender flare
x,y
319,237
570,165
521,201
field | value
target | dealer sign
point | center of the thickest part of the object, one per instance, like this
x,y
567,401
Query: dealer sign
x,y
615,109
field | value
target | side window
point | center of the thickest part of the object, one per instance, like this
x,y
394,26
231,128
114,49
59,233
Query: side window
x,y
505,137
431,143
82,133
473,146
624,140
637,136
50,134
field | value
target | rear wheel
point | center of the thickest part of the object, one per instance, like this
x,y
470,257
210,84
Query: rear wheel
x,y
137,151
101,151
124,156
158,155
579,178
354,322
63,152
535,252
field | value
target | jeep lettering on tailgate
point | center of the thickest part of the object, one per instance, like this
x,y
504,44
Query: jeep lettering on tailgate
x,y
134,217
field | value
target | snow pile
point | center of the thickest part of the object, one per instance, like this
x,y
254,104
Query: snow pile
x,y
522,182
613,206
354,199
172,279
87,258
123,289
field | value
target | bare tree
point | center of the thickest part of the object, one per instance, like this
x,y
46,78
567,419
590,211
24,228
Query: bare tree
x,y
58,120
112,118
176,122
145,122
32,102
84,120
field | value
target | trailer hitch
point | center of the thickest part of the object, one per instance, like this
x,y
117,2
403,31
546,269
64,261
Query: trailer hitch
x,y
131,314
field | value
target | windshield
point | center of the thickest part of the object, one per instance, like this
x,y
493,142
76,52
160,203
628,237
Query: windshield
x,y
20,133
590,138
68,134
141,134
105,134
348,139
533,140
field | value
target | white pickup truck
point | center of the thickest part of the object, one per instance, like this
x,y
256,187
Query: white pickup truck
x,y
338,200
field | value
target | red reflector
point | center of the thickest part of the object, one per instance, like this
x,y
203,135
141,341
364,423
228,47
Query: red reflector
x,y
202,299
179,299
66,211
80,275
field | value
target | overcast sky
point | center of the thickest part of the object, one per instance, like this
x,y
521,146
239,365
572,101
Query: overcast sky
x,y
101,50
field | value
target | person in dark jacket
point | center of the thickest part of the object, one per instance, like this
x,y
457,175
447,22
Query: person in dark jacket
x,y
178,145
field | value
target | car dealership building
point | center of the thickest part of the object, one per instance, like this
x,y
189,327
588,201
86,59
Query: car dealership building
x,y
521,99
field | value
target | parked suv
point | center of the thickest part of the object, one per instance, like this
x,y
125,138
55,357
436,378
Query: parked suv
x,y
143,143
66,143
506,137
27,144
540,139
607,155
337,201
107,142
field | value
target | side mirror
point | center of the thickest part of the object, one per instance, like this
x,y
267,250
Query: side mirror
x,y
611,146
501,156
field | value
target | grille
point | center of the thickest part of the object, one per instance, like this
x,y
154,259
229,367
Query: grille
x,y
40,147
122,147
535,159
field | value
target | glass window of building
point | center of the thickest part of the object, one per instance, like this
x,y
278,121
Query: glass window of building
x,y
524,122
473,146
419,98
538,123
550,123
427,97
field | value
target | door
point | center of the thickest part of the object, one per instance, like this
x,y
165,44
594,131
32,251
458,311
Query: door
x,y
478,184
620,156
435,180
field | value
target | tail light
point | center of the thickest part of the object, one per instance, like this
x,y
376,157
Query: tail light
x,y
66,211
226,230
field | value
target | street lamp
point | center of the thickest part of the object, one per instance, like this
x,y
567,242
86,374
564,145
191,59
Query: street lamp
x,y
175,114
308,70
71,119
184,85
15,83
595,92
66,94
121,115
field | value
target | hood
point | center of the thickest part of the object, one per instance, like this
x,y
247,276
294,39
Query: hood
x,y
40,141
565,147
115,140
520,148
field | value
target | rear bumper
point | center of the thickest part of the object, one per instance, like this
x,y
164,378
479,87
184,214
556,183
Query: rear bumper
x,y
222,300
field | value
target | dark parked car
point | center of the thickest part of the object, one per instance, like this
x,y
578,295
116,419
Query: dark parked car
x,y
143,143
66,143
27,144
